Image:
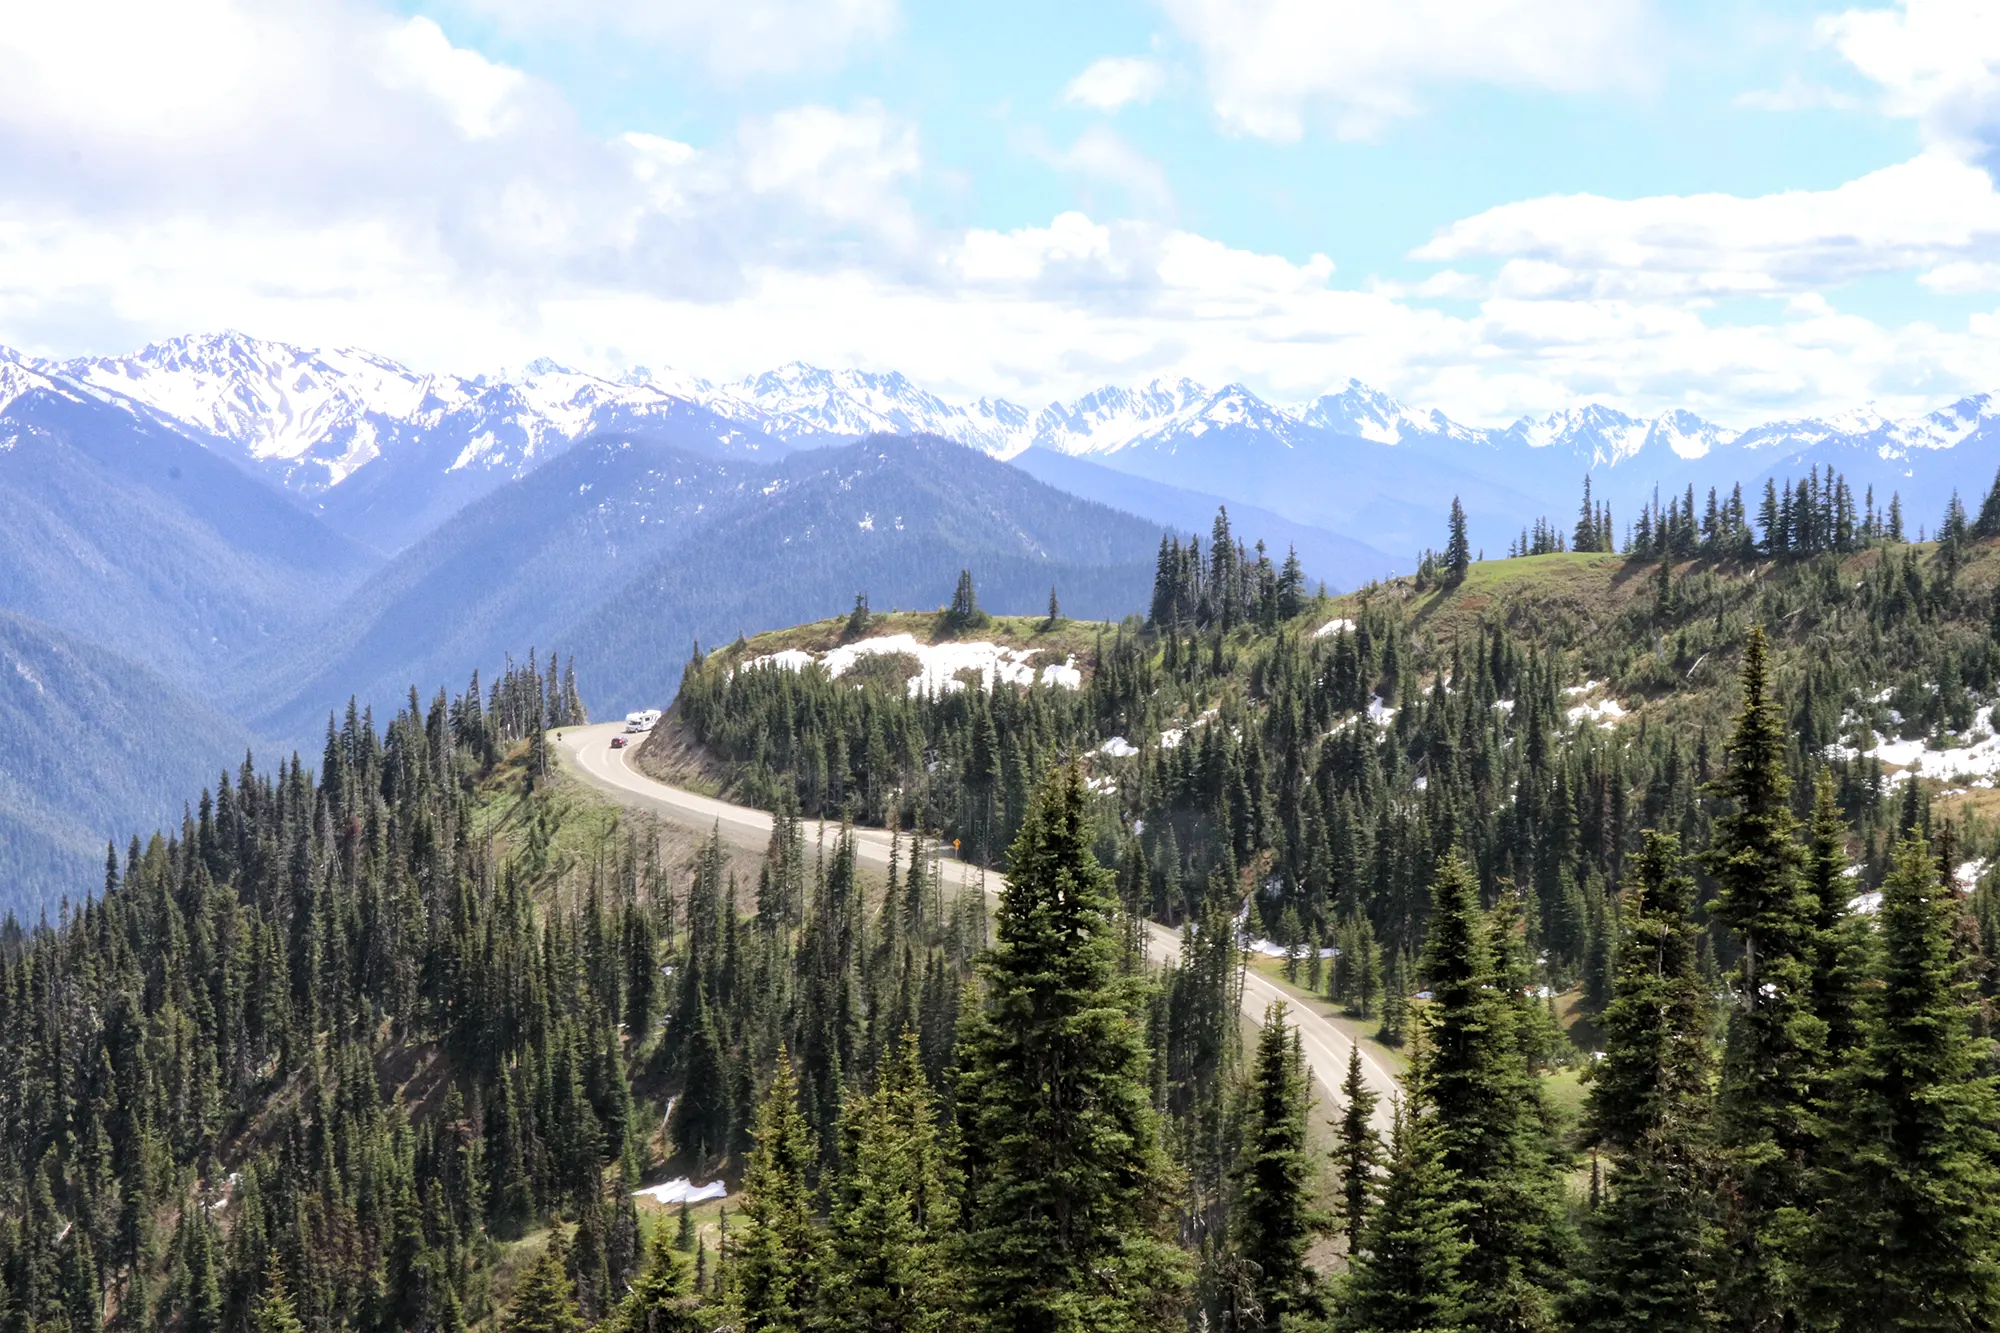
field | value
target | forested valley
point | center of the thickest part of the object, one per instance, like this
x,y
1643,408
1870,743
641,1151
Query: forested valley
x,y
1660,875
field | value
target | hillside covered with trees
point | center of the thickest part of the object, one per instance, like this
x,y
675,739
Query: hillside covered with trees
x,y
1691,985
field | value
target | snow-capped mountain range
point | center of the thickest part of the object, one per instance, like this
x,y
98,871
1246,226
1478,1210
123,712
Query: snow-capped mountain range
x,y
318,422
320,416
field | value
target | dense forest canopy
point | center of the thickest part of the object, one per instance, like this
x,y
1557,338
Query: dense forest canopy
x,y
393,1043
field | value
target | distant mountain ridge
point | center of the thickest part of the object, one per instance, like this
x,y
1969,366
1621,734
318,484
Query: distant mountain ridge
x,y
318,418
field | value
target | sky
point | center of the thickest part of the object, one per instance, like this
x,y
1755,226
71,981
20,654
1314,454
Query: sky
x,y
1492,207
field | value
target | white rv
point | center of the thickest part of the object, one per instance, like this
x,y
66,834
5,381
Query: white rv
x,y
643,720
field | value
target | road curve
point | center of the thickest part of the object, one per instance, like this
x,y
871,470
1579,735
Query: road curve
x,y
587,752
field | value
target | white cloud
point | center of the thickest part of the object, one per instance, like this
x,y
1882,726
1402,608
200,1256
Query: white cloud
x,y
1100,154
1926,211
1275,65
331,173
847,166
1935,60
1962,278
479,96
1114,82
1025,254
733,38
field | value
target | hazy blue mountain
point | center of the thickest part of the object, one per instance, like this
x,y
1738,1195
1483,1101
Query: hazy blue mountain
x,y
1341,562
896,518
122,531
93,748
508,571
624,551
386,453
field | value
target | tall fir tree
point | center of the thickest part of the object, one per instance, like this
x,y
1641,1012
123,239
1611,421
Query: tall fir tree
x,y
544,1301
1909,1235
1358,1156
1490,1121
777,1259
1774,1054
275,1312
1458,546
1410,1274
1648,1264
662,1300
895,1214
1070,1193
1277,1219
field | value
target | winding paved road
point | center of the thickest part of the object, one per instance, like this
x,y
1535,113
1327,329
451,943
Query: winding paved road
x,y
588,753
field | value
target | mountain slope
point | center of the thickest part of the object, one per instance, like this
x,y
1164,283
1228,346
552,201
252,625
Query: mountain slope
x,y
386,453
122,531
1327,556
93,748
895,518
624,550
509,570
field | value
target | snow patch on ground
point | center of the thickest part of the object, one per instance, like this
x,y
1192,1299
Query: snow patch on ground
x,y
1980,759
682,1190
1340,626
1273,949
1118,748
938,664
1605,713
1066,674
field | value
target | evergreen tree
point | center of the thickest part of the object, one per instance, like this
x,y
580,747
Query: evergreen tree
x,y
1585,536
1988,522
1647,1263
1276,1221
703,1113
1457,550
964,612
895,1213
1410,1276
1395,1003
1909,1237
1358,1158
274,1309
544,1302
776,1263
1070,1193
663,1299
1486,1102
1840,936
1775,1048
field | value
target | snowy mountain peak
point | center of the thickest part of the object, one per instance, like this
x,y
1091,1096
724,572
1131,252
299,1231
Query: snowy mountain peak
x,y
1688,435
1942,429
17,378
1371,414
271,399
314,417
1599,435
